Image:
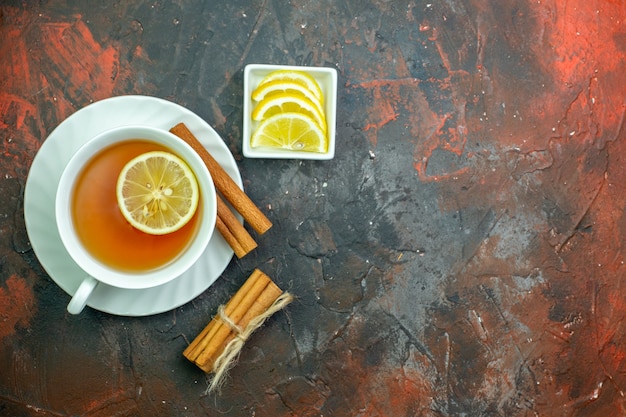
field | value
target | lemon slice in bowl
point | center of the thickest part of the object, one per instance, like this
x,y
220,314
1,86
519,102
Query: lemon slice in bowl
x,y
276,87
291,131
288,103
300,77
157,192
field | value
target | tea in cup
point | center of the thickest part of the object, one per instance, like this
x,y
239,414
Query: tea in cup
x,y
109,246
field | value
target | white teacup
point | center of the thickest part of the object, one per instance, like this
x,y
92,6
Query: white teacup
x,y
96,271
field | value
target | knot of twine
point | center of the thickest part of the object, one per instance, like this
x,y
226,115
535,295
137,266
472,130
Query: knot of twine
x,y
229,356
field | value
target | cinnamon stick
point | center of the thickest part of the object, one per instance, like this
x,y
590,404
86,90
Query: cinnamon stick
x,y
227,224
225,184
257,294
233,232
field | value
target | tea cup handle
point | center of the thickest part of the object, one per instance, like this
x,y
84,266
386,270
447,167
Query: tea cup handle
x,y
79,300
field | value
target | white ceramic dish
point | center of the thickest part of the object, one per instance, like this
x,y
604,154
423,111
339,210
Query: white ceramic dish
x,y
39,197
327,79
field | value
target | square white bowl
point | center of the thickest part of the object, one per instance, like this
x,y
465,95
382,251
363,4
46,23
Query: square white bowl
x,y
326,78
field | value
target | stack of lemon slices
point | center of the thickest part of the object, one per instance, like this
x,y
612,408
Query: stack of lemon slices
x,y
290,113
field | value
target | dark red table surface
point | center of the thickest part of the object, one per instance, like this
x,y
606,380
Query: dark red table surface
x,y
462,254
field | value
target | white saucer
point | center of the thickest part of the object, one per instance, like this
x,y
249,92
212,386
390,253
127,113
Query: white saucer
x,y
40,193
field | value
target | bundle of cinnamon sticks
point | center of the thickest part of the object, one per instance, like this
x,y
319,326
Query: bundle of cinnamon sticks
x,y
216,348
227,223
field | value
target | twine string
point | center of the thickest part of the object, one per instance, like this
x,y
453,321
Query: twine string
x,y
228,358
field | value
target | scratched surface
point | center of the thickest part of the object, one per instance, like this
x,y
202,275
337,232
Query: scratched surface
x,y
460,256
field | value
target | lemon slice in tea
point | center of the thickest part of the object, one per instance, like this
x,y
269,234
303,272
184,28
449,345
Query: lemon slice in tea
x,y
157,192
291,131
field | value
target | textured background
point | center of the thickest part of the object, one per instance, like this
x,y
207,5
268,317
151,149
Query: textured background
x,y
460,256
